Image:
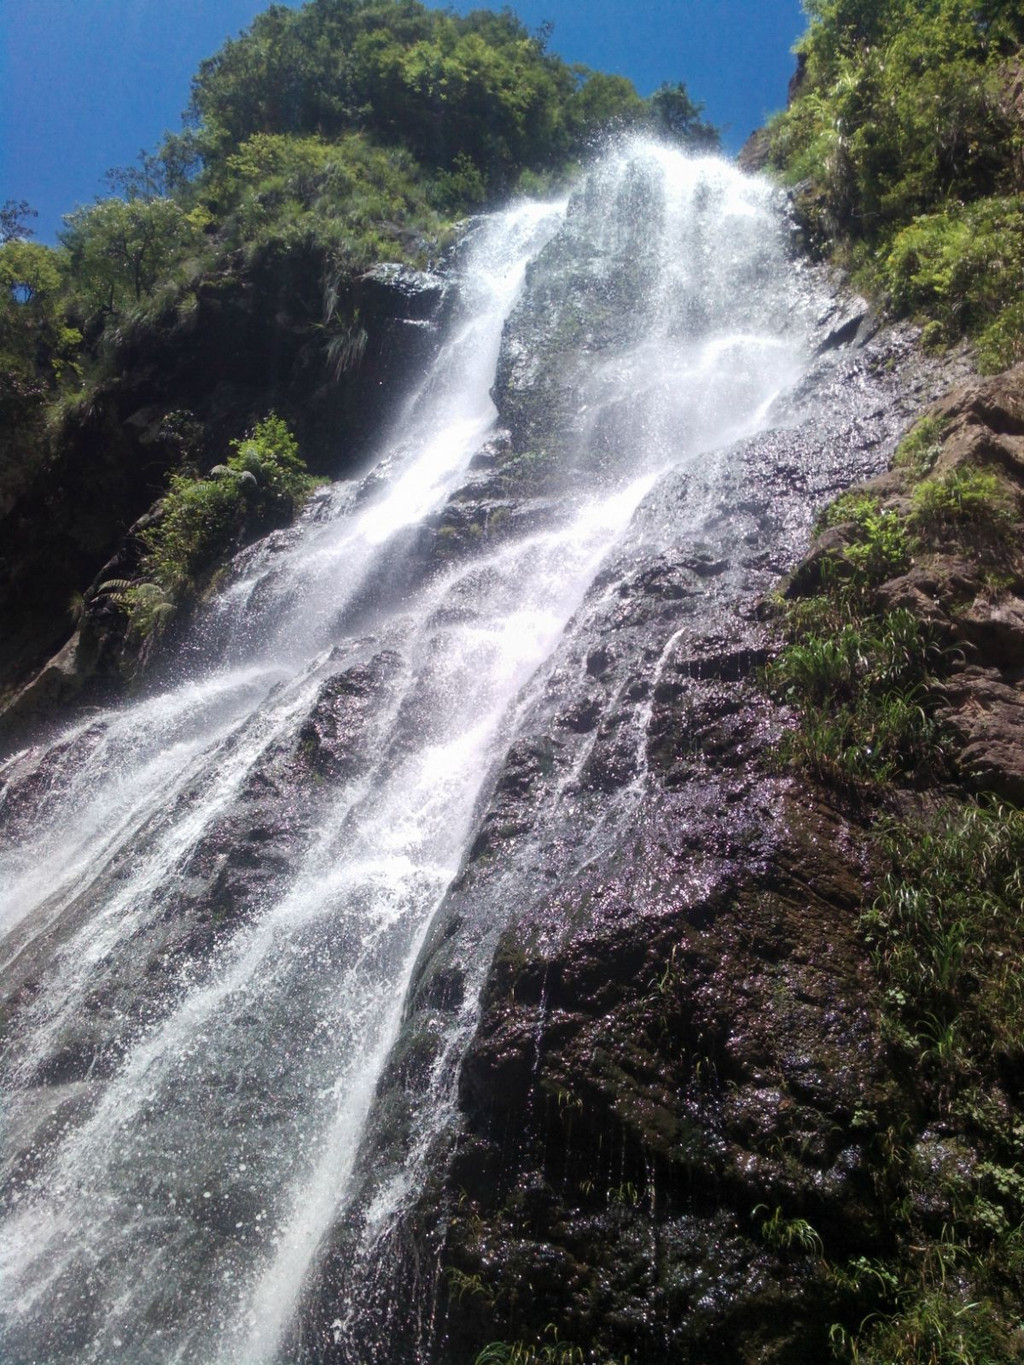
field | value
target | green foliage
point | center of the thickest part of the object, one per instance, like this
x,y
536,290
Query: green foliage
x,y
36,344
939,929
460,1284
940,932
29,273
674,115
877,549
864,693
261,484
884,656
271,454
958,266
920,448
788,1234
864,682
1001,343
199,518
939,1327
455,91
967,498
867,743
349,199
553,1352
524,1353
908,156
604,102
203,519
148,606
119,249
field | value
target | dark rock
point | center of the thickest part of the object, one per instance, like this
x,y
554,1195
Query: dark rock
x,y
987,715
755,154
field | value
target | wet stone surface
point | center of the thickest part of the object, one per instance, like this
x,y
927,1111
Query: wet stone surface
x,y
676,1036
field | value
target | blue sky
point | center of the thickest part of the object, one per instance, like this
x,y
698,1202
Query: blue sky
x,y
85,84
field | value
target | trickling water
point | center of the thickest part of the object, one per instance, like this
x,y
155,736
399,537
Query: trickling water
x,y
191,1055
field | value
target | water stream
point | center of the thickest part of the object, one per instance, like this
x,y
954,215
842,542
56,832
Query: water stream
x,y
188,1066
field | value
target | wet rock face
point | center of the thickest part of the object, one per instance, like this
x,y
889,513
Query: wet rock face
x,y
966,581
675,1033
675,1047
633,1097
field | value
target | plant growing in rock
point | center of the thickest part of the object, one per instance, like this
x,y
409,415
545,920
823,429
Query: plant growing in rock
x,y
262,482
967,499
788,1234
202,519
148,606
920,448
939,929
865,694
553,1352
877,547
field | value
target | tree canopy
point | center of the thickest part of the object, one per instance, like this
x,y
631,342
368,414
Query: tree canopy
x,y
443,86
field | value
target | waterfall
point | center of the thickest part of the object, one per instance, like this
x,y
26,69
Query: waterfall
x,y
214,898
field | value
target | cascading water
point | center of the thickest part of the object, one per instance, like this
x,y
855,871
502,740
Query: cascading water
x,y
214,898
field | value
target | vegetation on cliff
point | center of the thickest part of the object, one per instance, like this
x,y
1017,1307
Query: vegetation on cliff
x,y
201,520
905,140
902,650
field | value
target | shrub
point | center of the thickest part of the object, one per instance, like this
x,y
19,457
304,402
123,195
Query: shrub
x,y
878,548
271,454
1001,343
907,153
959,266
261,484
200,517
965,498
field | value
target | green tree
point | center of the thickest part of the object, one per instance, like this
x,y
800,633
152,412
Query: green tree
x,y
14,214
118,249
37,347
477,98
675,115
35,342
602,102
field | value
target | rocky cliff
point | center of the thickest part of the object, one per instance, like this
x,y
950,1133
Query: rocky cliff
x,y
688,1124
